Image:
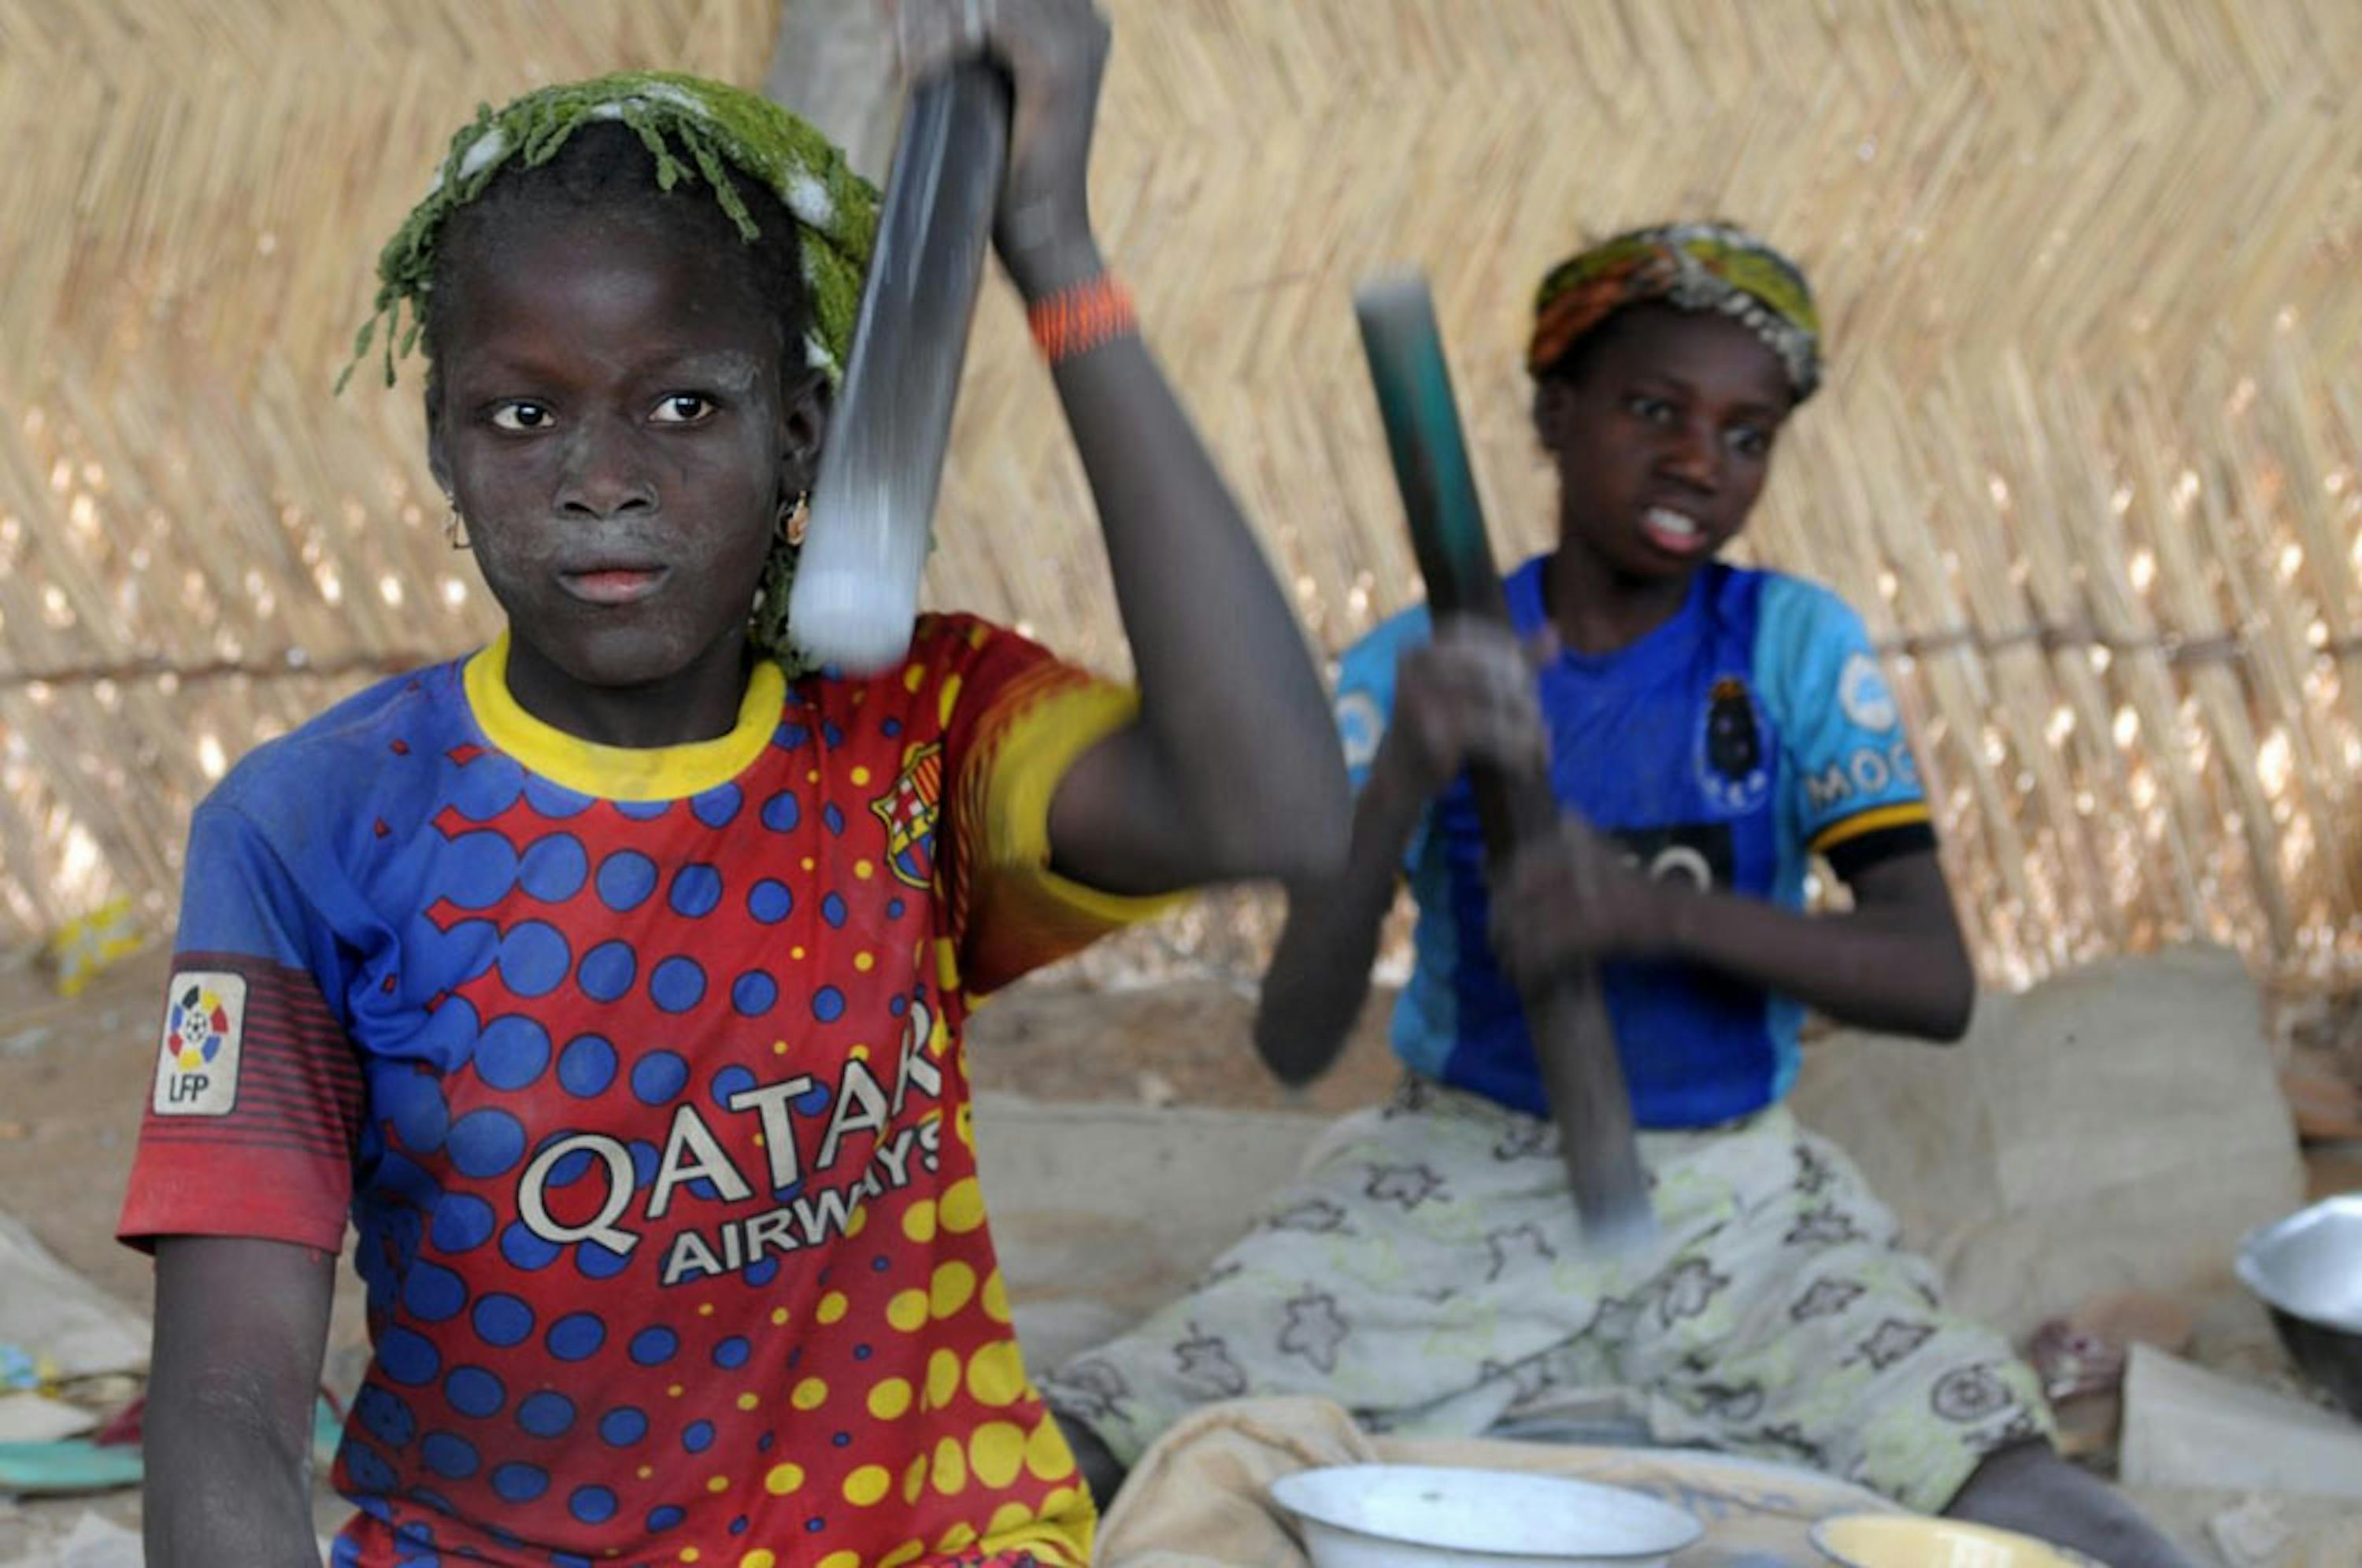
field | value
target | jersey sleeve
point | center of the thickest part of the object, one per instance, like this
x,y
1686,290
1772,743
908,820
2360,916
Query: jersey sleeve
x,y
1014,719
1365,698
256,1100
1854,789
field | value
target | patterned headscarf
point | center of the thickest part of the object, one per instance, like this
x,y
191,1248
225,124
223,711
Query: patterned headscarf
x,y
1692,266
696,131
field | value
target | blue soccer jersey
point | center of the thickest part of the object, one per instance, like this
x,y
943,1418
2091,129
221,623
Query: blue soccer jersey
x,y
1751,731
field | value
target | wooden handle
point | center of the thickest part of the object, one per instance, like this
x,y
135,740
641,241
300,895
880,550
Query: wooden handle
x,y
1573,1040
856,587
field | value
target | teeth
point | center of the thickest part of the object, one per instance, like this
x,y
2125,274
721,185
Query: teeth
x,y
1667,519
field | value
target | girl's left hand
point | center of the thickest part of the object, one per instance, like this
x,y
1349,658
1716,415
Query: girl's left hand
x,y
1055,54
1575,897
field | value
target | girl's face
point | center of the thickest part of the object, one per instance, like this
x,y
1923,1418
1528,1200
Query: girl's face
x,y
1663,437
614,420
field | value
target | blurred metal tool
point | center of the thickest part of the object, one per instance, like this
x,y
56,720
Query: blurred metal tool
x,y
856,589
1566,1018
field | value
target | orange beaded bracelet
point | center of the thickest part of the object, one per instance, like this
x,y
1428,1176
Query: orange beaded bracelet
x,y
1081,317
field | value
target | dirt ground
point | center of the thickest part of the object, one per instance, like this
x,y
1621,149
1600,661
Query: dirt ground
x,y
72,1077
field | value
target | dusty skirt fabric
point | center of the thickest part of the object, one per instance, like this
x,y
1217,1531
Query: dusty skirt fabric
x,y
1201,1496
1425,1272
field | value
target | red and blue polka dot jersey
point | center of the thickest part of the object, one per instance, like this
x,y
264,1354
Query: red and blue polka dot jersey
x,y
639,1074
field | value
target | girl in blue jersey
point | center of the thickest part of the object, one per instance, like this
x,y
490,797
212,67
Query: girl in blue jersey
x,y
1708,729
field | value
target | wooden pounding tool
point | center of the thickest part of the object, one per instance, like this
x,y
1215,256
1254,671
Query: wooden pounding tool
x,y
1565,1015
856,589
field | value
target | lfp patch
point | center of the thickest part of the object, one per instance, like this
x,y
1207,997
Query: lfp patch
x,y
204,1023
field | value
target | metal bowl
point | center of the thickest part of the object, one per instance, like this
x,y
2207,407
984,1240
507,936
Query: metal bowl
x,y
2308,1270
1410,1516
1906,1540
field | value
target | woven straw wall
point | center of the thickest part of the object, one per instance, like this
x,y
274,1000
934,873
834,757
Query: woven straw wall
x,y
2087,459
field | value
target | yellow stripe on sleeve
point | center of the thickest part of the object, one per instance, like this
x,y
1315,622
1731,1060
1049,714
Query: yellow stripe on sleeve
x,y
1902,814
1022,913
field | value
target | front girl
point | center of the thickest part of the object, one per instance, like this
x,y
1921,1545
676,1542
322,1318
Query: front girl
x,y
611,979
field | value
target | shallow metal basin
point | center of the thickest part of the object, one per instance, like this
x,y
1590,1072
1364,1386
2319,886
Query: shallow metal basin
x,y
2308,1270
1410,1516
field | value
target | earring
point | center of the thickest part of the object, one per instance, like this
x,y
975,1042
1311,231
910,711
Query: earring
x,y
794,518
455,527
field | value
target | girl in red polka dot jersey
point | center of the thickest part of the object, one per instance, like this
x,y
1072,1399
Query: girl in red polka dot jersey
x,y
609,980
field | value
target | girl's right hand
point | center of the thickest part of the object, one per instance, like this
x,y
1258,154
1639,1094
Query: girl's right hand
x,y
1055,54
1468,696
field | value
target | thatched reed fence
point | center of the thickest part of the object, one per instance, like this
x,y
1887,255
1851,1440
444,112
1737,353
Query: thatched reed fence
x,y
2091,458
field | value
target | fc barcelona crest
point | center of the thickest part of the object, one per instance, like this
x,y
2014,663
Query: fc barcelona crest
x,y
909,811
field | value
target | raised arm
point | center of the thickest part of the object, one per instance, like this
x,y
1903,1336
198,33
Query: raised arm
x,y
1321,972
240,1328
1469,695
1230,770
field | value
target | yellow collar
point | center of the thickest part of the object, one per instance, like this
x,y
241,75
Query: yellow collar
x,y
620,772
